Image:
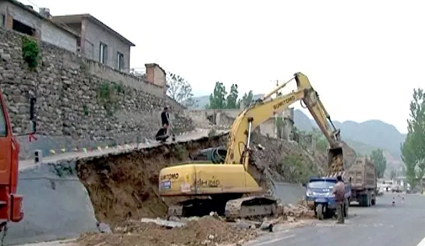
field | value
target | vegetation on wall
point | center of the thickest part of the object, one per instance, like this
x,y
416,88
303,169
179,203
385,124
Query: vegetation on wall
x,y
108,93
30,51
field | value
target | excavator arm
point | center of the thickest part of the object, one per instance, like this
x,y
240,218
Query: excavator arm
x,y
263,109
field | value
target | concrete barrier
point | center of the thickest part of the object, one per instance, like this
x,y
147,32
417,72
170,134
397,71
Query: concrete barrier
x,y
289,193
56,205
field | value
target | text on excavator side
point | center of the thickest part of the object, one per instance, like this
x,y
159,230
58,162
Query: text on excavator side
x,y
281,103
208,183
170,176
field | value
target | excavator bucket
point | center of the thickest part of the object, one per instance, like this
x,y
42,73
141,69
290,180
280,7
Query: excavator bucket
x,y
335,160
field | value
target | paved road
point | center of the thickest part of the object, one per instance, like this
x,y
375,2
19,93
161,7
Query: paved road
x,y
382,225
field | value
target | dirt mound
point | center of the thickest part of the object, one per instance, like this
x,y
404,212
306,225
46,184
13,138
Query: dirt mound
x,y
125,186
204,231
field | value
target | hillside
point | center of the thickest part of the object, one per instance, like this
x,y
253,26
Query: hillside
x,y
365,135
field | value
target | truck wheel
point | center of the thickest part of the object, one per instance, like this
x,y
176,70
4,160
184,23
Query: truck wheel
x,y
368,200
363,201
319,211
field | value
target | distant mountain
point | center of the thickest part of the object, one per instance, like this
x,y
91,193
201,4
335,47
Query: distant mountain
x,y
202,101
366,135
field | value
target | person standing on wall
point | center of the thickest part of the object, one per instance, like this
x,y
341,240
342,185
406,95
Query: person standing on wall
x,y
339,192
165,119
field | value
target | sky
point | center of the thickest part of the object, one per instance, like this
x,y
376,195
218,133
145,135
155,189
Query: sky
x,y
363,57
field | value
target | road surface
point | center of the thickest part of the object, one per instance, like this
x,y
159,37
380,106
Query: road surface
x,y
381,225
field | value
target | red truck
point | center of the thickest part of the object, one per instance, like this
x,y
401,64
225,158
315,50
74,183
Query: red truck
x,y
10,201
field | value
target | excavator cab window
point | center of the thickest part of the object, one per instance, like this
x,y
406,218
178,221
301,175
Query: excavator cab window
x,y
3,122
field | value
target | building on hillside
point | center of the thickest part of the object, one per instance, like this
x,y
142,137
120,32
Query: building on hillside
x,y
24,19
98,41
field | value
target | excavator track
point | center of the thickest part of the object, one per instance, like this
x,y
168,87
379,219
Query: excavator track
x,y
250,207
232,209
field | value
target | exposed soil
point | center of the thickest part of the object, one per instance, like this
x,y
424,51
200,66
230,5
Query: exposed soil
x,y
204,231
287,161
125,186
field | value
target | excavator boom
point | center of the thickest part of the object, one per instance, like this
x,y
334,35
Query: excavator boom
x,y
262,110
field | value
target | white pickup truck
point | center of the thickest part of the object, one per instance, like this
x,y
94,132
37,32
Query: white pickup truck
x,y
396,188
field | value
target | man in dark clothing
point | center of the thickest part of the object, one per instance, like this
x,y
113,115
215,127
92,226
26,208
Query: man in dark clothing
x,y
166,124
339,192
165,119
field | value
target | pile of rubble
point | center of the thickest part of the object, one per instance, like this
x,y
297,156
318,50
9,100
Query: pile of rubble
x,y
337,164
207,230
298,211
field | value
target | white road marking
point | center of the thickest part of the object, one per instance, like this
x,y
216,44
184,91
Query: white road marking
x,y
274,240
422,243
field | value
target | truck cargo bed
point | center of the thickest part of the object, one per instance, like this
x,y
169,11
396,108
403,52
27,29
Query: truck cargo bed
x,y
362,174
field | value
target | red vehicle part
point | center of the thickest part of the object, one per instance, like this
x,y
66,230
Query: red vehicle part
x,y
10,202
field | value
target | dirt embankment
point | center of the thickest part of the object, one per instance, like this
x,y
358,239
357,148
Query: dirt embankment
x,y
288,161
125,186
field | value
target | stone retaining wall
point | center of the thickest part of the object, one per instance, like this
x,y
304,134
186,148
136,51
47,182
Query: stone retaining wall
x,y
78,101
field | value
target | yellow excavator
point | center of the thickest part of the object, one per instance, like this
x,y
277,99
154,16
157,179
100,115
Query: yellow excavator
x,y
227,187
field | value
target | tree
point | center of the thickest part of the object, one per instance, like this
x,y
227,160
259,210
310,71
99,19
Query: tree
x,y
246,99
393,174
409,158
378,158
413,149
232,98
218,97
180,90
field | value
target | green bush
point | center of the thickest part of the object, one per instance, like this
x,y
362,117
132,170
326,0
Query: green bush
x,y
30,51
108,96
